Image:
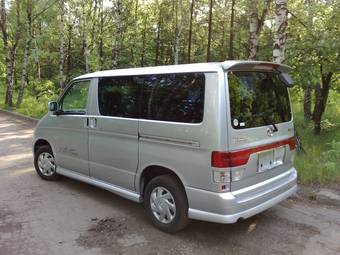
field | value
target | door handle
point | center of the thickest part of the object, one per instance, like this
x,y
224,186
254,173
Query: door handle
x,y
86,122
93,122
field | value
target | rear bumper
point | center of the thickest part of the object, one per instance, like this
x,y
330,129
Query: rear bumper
x,y
231,206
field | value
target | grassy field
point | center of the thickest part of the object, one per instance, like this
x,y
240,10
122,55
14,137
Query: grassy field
x,y
320,164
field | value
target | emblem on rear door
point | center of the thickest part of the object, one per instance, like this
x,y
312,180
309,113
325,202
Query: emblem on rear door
x,y
270,131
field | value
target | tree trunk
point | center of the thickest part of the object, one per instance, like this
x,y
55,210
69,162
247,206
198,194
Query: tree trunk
x,y
231,37
134,36
158,37
84,39
94,23
142,58
209,31
192,6
26,53
37,63
69,50
10,48
118,33
255,26
307,95
280,35
321,97
178,29
61,49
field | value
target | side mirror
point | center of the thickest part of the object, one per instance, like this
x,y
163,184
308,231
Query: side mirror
x,y
53,106
286,79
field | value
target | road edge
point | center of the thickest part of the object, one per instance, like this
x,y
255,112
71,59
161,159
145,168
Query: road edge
x,y
20,116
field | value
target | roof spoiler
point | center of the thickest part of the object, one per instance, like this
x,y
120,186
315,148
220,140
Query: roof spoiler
x,y
261,65
254,65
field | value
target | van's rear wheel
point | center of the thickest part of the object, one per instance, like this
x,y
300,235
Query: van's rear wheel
x,y
44,163
166,203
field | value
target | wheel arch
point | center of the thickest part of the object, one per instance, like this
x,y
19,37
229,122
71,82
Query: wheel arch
x,y
41,142
153,171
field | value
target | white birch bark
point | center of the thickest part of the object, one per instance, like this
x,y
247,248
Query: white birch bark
x,y
255,25
253,28
280,35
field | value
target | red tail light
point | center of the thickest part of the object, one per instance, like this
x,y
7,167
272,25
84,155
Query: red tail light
x,y
221,159
292,143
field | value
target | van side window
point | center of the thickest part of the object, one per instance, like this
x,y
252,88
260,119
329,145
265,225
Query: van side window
x,y
173,97
118,97
75,99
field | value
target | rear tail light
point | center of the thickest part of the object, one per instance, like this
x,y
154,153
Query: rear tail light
x,y
221,159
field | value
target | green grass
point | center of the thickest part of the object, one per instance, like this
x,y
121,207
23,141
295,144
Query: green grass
x,y
33,106
319,165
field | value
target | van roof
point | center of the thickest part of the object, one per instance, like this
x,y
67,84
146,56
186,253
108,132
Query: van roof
x,y
197,67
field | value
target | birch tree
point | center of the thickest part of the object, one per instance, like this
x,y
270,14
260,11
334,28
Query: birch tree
x,y
255,26
280,35
26,53
10,48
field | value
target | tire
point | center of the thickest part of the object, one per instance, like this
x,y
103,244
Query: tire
x,y
44,163
175,204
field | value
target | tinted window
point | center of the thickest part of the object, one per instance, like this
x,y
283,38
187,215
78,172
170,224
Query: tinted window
x,y
118,96
257,99
173,97
75,99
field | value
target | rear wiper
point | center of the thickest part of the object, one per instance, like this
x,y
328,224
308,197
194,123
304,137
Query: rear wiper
x,y
269,121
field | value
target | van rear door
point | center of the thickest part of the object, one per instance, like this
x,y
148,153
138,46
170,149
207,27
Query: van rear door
x,y
260,125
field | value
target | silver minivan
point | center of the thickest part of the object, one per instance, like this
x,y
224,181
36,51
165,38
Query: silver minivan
x,y
208,141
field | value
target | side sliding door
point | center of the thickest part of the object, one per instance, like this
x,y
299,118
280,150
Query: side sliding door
x,y
113,133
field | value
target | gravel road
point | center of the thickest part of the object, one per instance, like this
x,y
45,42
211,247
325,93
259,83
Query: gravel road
x,y
69,217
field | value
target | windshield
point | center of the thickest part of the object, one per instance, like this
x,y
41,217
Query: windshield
x,y
257,99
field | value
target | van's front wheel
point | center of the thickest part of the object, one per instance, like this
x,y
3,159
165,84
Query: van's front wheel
x,y
166,203
44,163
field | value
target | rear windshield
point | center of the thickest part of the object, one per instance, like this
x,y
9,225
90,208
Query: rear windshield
x,y
257,99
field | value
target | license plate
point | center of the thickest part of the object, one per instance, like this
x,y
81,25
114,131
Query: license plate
x,y
270,158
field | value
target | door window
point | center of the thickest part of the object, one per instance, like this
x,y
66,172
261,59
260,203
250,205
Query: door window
x,y
75,99
118,97
177,97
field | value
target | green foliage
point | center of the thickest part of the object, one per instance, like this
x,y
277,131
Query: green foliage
x,y
320,163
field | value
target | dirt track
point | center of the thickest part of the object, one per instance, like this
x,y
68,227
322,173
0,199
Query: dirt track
x,y
69,217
